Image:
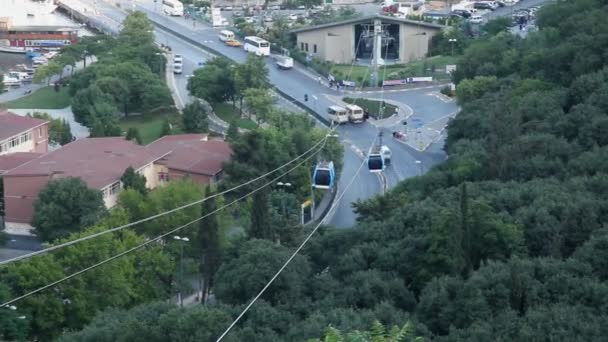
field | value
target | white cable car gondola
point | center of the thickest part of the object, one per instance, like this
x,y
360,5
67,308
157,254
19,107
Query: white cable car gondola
x,y
324,175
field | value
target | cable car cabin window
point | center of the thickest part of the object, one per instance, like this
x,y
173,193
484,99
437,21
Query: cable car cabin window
x,y
322,178
375,163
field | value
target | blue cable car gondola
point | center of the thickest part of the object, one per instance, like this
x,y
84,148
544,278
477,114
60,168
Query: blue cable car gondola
x,y
324,176
375,161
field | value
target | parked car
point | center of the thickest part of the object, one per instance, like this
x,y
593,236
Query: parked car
x,y
483,6
476,19
237,14
463,13
177,59
292,17
227,8
301,7
250,20
275,7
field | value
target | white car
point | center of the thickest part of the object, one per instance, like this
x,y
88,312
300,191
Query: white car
x,y
275,7
293,17
177,69
476,19
301,7
250,20
177,59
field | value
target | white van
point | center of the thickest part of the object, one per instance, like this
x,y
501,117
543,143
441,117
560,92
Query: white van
x,y
355,113
337,114
226,35
386,154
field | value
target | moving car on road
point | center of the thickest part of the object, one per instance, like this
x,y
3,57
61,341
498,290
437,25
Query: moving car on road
x,y
284,62
233,43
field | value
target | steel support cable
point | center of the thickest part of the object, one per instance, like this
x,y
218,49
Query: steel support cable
x,y
167,212
158,237
293,255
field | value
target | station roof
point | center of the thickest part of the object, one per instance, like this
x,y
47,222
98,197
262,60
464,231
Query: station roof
x,y
369,18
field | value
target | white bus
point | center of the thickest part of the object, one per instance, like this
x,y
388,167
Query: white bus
x,y
257,45
173,7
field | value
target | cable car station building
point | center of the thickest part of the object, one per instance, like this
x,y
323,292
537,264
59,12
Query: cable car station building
x,y
402,40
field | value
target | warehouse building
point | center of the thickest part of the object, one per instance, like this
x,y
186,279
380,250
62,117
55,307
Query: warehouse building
x,y
403,40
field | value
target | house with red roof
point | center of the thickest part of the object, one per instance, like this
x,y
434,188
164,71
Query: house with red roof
x,y
22,134
100,163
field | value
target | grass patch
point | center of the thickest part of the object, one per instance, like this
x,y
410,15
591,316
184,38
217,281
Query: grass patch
x,y
227,113
150,126
432,66
43,98
373,107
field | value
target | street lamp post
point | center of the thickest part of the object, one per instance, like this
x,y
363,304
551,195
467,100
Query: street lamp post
x,y
419,163
452,41
282,186
181,268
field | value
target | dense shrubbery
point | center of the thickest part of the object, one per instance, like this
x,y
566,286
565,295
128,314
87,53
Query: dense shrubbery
x,y
504,241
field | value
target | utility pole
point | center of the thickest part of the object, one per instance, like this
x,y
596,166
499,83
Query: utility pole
x,y
377,51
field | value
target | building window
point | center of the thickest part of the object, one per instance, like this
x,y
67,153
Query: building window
x,y
25,137
302,46
163,176
3,147
112,190
13,142
314,48
40,132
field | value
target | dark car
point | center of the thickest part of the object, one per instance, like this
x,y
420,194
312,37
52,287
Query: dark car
x,y
483,5
463,13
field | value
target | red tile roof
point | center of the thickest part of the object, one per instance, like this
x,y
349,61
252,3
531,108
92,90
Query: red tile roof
x,y
97,161
193,153
12,124
12,160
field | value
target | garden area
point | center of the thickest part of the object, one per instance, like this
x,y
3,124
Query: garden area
x,y
432,66
151,126
228,113
373,107
44,98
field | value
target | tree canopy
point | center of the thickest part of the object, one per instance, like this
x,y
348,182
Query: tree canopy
x,y
65,206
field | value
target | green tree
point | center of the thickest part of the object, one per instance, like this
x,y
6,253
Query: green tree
x,y
166,128
260,225
259,102
377,333
65,206
133,180
256,262
46,72
176,193
469,90
132,279
133,134
213,82
210,243
232,134
495,26
59,129
195,118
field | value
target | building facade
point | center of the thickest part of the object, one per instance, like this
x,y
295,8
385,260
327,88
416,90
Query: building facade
x,y
36,36
343,42
101,162
22,134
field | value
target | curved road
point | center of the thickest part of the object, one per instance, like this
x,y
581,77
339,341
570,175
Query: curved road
x,y
297,82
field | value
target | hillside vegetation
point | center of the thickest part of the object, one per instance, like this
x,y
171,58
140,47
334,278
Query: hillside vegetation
x,y
505,241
